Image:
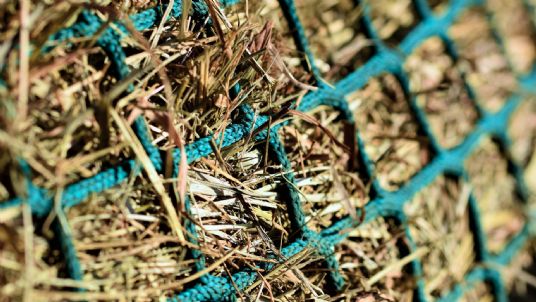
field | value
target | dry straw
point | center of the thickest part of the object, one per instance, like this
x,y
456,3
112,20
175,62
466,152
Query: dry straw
x,y
482,292
336,35
73,121
496,193
439,221
440,91
485,67
392,137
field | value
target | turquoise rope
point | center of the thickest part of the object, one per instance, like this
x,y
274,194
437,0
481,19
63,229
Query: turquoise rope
x,y
384,204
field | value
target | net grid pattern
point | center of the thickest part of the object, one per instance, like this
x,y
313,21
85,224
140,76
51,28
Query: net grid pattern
x,y
385,204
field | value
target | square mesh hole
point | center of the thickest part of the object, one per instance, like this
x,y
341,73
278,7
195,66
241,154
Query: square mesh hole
x,y
495,191
370,249
236,205
393,19
516,27
65,141
481,292
481,59
439,221
302,277
324,164
440,92
124,242
336,36
391,134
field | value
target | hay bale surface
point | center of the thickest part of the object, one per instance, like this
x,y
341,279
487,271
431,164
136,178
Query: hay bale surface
x,y
66,114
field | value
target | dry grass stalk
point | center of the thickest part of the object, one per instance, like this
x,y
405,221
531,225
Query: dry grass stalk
x,y
441,92
439,220
482,61
496,194
390,132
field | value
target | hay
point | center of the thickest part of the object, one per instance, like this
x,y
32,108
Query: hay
x,y
336,36
482,62
441,92
522,130
373,262
439,220
515,25
517,277
370,262
74,123
22,252
236,208
123,238
283,62
392,137
393,19
124,244
496,193
481,292
328,181
438,6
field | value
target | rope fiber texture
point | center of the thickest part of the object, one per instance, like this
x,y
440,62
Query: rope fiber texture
x,y
384,204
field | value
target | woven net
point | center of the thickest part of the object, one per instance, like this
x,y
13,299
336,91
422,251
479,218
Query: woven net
x,y
386,202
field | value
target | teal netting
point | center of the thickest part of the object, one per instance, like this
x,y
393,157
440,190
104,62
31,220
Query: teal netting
x,y
384,204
